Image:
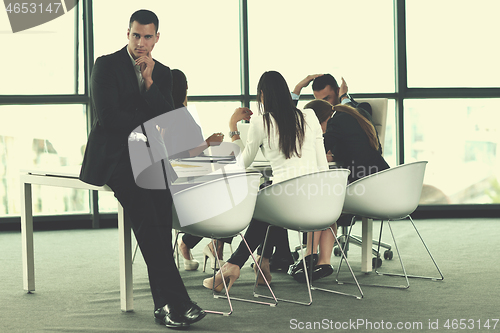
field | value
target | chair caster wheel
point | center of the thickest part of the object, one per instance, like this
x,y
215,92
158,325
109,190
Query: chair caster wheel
x,y
337,252
376,262
388,255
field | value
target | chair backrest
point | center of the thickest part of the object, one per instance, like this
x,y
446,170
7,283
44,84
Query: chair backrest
x,y
389,194
379,115
217,209
305,203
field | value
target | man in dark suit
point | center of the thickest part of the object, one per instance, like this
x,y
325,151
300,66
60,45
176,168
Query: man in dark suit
x,y
325,87
128,88
343,137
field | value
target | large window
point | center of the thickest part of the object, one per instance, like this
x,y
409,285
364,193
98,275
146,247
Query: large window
x,y
42,72
452,43
450,46
46,137
41,60
351,39
438,69
201,38
461,141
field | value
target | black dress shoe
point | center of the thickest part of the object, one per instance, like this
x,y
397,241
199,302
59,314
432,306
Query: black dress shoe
x,y
299,265
319,271
194,313
163,316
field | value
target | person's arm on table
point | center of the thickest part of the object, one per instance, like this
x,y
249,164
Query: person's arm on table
x,y
253,143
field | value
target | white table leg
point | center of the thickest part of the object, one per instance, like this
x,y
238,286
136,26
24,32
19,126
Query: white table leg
x,y
366,247
27,237
125,250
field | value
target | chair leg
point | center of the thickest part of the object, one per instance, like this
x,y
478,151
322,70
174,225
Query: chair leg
x,y
306,274
135,251
357,240
430,255
176,248
378,251
241,299
295,253
405,275
345,238
343,257
214,243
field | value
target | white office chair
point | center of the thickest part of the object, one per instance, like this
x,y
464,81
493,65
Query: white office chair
x,y
391,194
379,120
217,209
379,115
311,202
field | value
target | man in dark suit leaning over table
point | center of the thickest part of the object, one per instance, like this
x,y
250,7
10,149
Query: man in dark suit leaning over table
x,y
326,87
343,138
128,88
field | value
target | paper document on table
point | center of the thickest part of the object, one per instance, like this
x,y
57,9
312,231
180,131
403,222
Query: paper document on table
x,y
210,159
191,169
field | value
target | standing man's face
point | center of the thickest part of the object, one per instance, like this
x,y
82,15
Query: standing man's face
x,y
141,39
328,94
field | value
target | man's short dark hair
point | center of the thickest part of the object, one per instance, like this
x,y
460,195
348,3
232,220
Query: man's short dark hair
x,y
324,80
144,17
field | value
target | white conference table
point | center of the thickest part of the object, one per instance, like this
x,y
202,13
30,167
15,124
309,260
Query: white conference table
x,y
68,177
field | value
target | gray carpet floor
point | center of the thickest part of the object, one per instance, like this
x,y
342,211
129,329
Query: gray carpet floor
x,y
77,287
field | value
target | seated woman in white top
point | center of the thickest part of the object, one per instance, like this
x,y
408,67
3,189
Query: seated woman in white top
x,y
292,141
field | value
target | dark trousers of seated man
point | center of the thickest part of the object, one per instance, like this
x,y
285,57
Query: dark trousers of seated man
x,y
150,212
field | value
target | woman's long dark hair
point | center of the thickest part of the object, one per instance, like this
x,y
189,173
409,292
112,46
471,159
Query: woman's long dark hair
x,y
273,98
324,111
179,88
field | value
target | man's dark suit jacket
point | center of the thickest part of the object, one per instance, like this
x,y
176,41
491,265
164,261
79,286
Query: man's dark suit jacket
x,y
350,146
119,107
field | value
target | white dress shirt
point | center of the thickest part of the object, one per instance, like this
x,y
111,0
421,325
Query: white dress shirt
x,y
313,157
138,74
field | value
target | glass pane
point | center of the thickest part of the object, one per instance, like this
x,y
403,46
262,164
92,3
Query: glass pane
x,y
451,43
199,37
213,117
351,39
107,202
47,55
461,143
41,136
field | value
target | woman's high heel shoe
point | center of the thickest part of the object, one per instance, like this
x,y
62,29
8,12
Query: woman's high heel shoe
x,y
208,254
231,273
189,264
265,269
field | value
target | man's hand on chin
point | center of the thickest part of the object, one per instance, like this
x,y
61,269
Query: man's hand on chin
x,y
146,63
